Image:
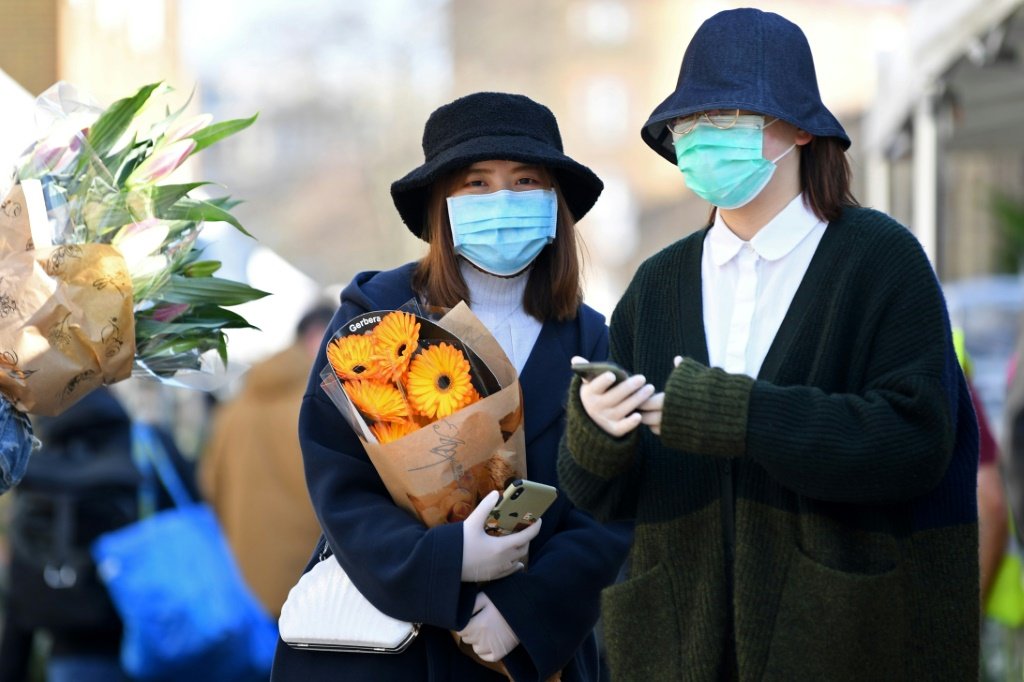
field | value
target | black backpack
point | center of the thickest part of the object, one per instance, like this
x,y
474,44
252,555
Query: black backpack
x,y
74,490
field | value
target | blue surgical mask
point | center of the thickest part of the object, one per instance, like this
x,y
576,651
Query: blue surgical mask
x,y
502,232
724,165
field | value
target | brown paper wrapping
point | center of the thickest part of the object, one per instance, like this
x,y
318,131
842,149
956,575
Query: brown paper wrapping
x,y
66,319
440,472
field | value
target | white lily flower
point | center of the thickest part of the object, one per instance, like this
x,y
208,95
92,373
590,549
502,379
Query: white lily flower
x,y
138,241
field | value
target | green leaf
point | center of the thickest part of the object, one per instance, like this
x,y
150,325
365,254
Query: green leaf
x,y
227,203
162,347
115,161
229,318
171,117
213,290
183,260
187,325
203,268
109,213
180,227
131,205
222,349
109,128
165,196
194,210
218,131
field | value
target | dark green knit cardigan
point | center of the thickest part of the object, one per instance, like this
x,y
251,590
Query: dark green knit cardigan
x,y
822,516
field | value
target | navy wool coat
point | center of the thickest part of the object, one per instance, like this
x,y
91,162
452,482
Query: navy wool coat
x,y
413,573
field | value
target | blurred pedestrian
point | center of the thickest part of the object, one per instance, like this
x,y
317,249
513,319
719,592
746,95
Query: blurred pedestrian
x,y
251,468
497,200
1003,631
1012,452
993,515
82,483
804,492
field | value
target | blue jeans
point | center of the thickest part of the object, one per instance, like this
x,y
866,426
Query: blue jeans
x,y
84,669
16,443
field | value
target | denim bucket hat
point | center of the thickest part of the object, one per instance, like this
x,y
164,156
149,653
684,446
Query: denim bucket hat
x,y
492,125
746,59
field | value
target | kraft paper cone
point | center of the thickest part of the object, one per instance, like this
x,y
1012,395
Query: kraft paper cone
x,y
440,472
66,318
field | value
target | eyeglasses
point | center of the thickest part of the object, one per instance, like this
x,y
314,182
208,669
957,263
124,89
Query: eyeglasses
x,y
685,124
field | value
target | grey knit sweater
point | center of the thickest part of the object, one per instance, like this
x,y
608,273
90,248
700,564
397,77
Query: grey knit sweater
x,y
817,523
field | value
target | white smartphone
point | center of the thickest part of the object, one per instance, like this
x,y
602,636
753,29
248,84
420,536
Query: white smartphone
x,y
520,505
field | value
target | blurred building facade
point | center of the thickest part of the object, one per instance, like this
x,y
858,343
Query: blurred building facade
x,y
29,54
343,90
944,140
107,48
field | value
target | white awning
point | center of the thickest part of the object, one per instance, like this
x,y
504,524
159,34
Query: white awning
x,y
942,33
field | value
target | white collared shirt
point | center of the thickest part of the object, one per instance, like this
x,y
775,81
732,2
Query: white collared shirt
x,y
748,286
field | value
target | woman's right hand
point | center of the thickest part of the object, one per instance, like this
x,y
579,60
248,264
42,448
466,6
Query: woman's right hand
x,y
614,407
489,557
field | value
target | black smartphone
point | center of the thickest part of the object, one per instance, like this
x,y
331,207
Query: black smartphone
x,y
520,505
592,370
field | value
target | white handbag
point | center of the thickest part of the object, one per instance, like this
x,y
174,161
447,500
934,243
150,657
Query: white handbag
x,y
325,612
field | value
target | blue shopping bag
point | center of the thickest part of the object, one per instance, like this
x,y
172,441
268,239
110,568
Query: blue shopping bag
x,y
187,612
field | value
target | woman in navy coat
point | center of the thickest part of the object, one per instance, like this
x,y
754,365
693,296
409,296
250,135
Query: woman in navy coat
x,y
497,200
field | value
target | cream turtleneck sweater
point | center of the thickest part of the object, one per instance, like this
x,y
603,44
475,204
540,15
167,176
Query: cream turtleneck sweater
x,y
498,302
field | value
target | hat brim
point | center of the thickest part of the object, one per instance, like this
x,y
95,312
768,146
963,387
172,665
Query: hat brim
x,y
655,132
580,186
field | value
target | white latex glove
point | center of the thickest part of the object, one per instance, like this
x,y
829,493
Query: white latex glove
x,y
650,410
488,631
614,408
489,557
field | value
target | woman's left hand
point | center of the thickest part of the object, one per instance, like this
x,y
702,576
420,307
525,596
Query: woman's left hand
x,y
488,632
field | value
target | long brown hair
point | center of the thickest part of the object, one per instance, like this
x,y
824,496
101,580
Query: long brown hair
x,y
553,290
825,177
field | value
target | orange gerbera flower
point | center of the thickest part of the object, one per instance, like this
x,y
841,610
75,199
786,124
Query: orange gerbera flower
x,y
391,431
379,402
439,381
394,341
351,357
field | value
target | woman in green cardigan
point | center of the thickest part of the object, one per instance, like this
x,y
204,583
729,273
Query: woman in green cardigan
x,y
803,480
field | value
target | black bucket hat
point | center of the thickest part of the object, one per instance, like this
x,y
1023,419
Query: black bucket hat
x,y
492,125
746,59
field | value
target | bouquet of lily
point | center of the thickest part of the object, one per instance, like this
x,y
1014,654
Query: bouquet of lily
x,y
435,403
99,274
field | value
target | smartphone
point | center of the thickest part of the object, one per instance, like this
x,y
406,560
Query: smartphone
x,y
592,370
520,505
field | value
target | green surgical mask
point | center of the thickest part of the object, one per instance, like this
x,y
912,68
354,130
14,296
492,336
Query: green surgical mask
x,y
724,165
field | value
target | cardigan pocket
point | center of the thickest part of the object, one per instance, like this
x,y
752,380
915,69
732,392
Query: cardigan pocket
x,y
835,625
641,628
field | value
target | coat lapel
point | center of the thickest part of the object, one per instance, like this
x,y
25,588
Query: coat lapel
x,y
807,296
545,377
695,343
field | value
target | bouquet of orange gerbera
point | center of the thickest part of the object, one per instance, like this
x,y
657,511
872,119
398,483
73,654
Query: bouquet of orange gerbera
x,y
441,421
